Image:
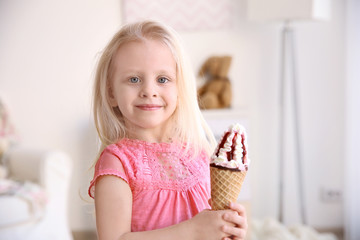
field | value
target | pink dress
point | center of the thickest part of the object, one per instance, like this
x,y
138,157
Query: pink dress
x,y
168,186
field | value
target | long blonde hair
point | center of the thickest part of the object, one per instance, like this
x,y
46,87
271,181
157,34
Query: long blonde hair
x,y
191,127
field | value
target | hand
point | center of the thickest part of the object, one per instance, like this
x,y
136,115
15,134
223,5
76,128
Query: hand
x,y
209,225
236,216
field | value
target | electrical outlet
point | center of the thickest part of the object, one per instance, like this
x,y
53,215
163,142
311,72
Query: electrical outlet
x,y
330,195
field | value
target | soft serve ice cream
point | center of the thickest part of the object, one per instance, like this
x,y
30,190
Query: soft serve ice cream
x,y
231,151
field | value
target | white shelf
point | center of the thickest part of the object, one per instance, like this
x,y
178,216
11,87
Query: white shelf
x,y
225,113
220,119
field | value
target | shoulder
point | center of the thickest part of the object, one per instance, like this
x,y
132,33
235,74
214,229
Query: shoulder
x,y
121,149
116,155
198,153
115,148
188,151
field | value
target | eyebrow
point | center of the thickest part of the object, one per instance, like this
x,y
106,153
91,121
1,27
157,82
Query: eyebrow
x,y
139,71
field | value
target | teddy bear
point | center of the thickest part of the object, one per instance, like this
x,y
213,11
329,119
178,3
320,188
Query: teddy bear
x,y
216,91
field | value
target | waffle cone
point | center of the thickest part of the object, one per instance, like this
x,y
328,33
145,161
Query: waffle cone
x,y
225,186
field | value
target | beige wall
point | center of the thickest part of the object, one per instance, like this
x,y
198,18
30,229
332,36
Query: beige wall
x,y
49,49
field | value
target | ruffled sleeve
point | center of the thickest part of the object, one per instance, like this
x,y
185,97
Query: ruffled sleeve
x,y
109,163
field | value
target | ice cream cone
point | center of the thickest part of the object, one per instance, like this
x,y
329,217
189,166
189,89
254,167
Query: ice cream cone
x,y
228,167
225,186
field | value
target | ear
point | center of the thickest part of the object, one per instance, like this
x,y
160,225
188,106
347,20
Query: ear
x,y
204,68
111,98
224,66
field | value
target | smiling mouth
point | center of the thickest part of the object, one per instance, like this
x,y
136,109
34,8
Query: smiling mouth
x,y
149,107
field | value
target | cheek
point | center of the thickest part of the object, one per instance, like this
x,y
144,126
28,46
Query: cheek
x,y
174,98
123,99
125,94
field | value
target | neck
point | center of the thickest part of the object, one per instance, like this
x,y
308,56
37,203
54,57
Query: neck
x,y
150,135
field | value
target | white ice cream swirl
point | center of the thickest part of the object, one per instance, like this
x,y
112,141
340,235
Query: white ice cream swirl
x,y
239,160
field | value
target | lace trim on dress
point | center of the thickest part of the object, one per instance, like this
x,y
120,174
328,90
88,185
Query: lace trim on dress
x,y
164,165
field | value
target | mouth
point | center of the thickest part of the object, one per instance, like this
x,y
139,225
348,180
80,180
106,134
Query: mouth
x,y
149,107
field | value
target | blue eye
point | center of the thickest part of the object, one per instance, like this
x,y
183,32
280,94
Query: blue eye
x,y
163,80
134,79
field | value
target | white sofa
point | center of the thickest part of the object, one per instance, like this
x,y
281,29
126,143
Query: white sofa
x,y
20,217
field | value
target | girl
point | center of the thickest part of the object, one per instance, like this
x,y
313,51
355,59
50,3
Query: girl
x,y
151,180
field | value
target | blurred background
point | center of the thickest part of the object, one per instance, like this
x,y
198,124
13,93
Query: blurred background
x,y
49,50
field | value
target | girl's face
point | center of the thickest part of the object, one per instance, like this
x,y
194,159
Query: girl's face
x,y
144,86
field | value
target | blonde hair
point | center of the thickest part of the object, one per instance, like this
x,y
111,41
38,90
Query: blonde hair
x,y
191,127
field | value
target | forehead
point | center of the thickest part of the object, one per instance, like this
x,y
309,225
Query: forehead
x,y
141,51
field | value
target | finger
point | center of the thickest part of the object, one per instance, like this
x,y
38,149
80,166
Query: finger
x,y
233,231
240,209
233,217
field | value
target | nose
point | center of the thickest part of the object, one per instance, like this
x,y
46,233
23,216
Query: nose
x,y
148,89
